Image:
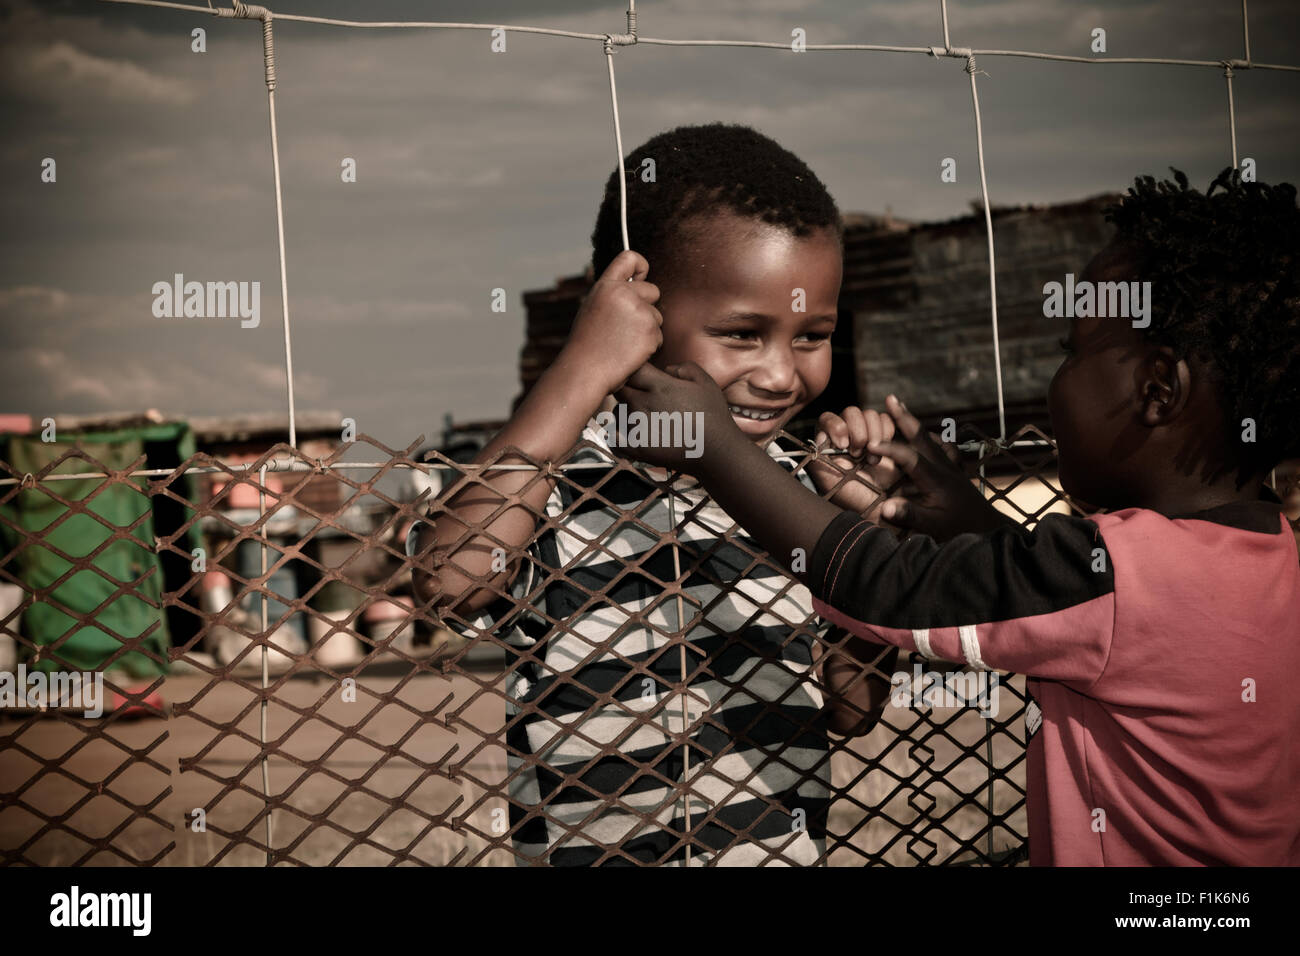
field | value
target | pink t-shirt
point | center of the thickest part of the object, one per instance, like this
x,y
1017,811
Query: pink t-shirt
x,y
1162,655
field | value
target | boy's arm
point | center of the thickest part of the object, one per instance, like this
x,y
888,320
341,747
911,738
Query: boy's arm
x,y
453,555
1038,603
856,693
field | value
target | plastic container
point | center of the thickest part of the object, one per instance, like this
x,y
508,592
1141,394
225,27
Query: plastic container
x,y
11,599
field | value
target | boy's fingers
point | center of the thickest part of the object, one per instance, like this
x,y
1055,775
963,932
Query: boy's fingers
x,y
856,423
627,265
833,426
876,427
836,435
836,432
649,292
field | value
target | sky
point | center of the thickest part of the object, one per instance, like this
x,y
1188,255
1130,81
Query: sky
x,y
479,170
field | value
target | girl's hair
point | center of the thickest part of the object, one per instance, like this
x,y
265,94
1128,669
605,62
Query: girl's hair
x,y
1224,267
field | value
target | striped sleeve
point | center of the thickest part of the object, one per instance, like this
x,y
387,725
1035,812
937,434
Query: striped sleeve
x,y
1039,602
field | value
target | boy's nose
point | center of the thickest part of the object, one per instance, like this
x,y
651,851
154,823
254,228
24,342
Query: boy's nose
x,y
775,371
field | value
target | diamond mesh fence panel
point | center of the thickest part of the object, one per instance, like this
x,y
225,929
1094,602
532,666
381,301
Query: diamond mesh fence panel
x,y
306,707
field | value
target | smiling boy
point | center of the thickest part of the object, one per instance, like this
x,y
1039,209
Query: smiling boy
x,y
745,246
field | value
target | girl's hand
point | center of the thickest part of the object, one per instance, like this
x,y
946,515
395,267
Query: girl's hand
x,y
940,501
863,479
687,389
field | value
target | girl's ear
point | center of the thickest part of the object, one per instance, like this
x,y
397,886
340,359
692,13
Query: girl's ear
x,y
1165,384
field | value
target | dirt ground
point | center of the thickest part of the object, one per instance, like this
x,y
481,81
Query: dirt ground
x,y
918,793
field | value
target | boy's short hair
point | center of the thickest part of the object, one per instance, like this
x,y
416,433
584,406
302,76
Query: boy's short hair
x,y
702,169
1224,267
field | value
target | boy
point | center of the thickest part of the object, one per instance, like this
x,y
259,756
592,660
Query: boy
x,y
596,738
1161,638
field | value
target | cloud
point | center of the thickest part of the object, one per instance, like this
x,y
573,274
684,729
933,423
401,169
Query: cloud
x,y
59,377
479,170
125,358
59,71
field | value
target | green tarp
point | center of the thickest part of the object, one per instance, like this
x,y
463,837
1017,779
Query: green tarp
x,y
128,559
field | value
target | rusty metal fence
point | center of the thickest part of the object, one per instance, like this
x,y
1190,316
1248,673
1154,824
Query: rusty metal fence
x,y
271,752
398,749
301,730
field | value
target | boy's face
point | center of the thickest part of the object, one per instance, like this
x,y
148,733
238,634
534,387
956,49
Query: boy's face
x,y
728,306
1095,398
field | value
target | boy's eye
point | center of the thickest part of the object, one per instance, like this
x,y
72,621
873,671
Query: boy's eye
x,y
816,336
1064,343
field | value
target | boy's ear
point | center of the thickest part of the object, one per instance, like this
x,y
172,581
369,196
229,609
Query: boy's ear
x,y
1165,384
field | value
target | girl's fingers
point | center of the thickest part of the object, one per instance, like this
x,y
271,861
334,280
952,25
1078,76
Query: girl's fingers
x,y
897,511
904,456
690,370
644,378
906,421
949,449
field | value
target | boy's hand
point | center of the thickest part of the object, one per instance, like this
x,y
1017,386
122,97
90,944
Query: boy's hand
x,y
943,502
617,328
856,478
684,388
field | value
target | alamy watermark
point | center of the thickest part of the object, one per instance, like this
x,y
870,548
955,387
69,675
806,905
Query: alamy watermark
x,y
75,908
61,690
922,688
213,300
634,429
1085,300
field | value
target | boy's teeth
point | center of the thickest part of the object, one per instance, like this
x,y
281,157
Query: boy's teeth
x,y
751,413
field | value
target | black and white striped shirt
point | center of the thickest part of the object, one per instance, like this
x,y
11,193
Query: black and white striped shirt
x,y
596,582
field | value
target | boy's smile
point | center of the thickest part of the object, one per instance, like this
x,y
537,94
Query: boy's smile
x,y
727,302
